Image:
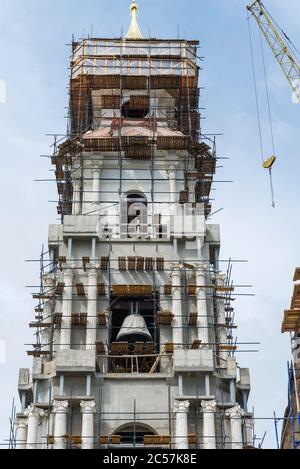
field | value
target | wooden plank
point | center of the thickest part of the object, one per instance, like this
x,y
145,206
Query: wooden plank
x,y
122,263
193,319
196,345
104,263
102,320
160,264
85,261
80,289
101,289
131,263
100,348
59,288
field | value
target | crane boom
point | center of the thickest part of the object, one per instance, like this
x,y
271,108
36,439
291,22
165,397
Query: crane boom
x,y
281,51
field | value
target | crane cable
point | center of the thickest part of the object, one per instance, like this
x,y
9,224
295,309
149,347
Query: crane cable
x,y
270,115
258,111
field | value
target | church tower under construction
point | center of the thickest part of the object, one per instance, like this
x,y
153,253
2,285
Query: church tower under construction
x,y
134,318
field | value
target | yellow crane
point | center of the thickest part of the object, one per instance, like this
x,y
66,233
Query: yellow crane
x,y
278,42
281,47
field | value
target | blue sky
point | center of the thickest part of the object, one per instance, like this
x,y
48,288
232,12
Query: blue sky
x,y
34,65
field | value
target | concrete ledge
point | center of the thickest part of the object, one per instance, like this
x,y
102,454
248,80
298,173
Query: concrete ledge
x,y
81,225
75,360
193,360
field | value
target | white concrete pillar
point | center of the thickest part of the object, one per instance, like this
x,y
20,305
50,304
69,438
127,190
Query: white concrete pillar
x,y
96,174
181,409
249,431
33,415
21,433
235,414
209,429
76,207
91,309
60,409
221,316
87,433
66,324
172,197
172,183
177,306
202,321
48,282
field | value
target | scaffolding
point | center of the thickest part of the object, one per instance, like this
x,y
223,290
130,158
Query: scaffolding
x,y
136,102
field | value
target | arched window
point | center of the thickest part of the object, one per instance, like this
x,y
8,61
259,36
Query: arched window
x,y
134,434
134,214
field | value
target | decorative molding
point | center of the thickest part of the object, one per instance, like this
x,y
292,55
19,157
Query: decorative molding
x,y
33,411
235,412
181,406
220,279
68,275
88,407
21,422
209,406
60,407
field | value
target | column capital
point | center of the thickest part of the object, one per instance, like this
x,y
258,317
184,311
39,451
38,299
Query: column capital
x,y
21,422
48,281
181,407
201,268
33,411
220,279
68,274
171,171
176,268
235,412
60,407
96,169
92,271
209,406
88,407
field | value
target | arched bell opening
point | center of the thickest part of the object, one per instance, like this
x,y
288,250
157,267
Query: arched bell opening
x,y
134,216
133,434
134,335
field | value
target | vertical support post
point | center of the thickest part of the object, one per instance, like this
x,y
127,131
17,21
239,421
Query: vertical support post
x,y
33,414
202,321
87,433
70,244
66,324
21,433
91,309
181,409
60,409
88,384
221,318
207,385
76,208
177,306
61,384
48,283
232,391
209,430
180,385
235,414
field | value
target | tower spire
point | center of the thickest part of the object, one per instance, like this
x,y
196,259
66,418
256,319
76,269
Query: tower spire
x,y
134,30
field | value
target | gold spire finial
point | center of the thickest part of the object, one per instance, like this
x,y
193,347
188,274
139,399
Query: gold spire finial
x,y
134,30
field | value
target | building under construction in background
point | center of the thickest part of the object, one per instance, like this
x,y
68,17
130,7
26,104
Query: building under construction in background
x,y
134,321
290,437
